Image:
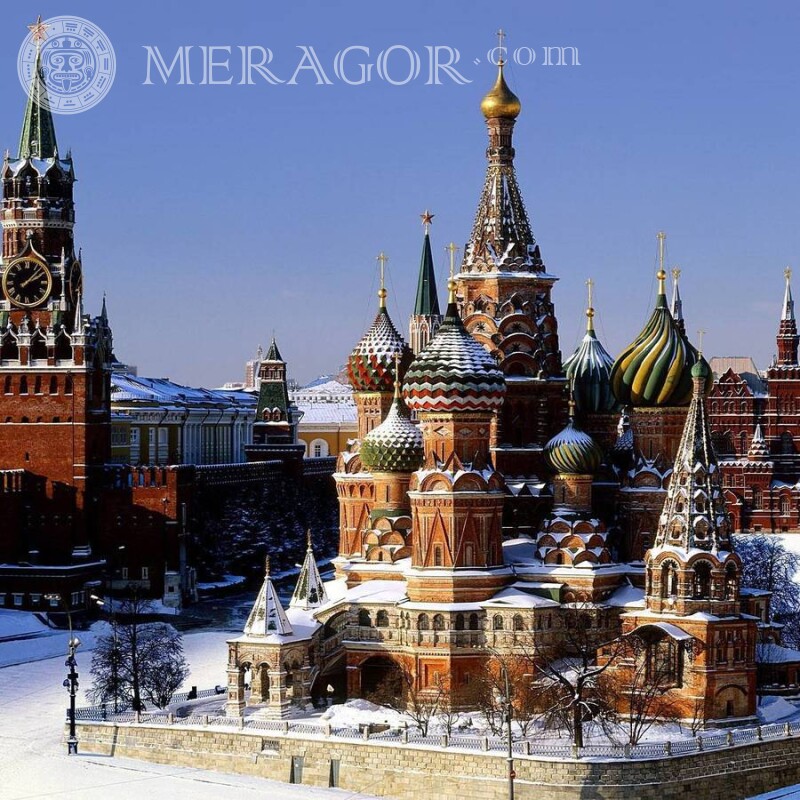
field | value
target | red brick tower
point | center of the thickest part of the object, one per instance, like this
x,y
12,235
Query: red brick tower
x,y
54,359
691,630
787,332
504,296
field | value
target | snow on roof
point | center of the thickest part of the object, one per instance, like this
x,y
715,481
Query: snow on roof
x,y
519,551
671,630
744,367
126,387
322,413
768,653
517,597
627,596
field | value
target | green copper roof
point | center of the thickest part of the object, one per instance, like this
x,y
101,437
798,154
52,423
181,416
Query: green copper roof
x,y
588,369
38,137
273,354
427,302
272,395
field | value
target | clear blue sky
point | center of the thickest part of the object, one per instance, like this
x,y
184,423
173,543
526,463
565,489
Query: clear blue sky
x,y
212,215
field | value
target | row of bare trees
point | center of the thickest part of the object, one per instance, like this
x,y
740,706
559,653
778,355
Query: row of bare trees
x,y
559,687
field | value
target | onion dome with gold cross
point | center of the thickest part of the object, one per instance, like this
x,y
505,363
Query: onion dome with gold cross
x,y
573,451
655,369
370,367
500,101
453,372
396,444
588,370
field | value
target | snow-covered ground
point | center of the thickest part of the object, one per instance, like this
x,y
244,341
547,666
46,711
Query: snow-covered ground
x,y
34,762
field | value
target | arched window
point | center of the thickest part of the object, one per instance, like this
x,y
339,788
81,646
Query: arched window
x,y
757,497
702,579
519,625
23,385
731,582
7,386
53,384
438,622
382,619
469,555
669,579
422,622
437,556
473,622
787,443
497,622
68,384
459,622
364,619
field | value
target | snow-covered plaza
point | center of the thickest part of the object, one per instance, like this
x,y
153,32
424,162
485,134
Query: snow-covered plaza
x,y
32,703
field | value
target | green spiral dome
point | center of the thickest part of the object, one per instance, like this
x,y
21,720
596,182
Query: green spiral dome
x,y
656,368
573,452
395,445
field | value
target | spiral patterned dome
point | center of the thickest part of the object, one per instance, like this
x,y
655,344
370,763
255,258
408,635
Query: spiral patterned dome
x,y
454,372
573,452
395,445
370,367
588,371
656,369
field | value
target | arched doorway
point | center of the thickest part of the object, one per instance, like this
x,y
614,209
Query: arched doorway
x,y
381,675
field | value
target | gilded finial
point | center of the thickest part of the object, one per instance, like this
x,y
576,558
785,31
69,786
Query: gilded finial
x,y
662,275
700,334
787,273
676,274
427,219
590,307
266,567
308,538
382,259
571,404
451,283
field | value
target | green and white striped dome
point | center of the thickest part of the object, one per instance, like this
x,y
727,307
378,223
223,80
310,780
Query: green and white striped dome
x,y
395,445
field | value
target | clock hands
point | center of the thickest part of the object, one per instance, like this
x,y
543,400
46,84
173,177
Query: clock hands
x,y
39,272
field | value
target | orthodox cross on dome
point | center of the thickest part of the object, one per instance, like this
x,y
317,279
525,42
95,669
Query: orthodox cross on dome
x,y
787,273
427,219
382,258
501,34
38,30
662,276
590,307
700,334
452,249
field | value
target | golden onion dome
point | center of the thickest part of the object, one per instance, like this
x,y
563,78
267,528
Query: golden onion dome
x,y
500,100
656,368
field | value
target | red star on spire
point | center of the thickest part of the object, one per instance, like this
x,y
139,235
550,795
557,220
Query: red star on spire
x,y
39,30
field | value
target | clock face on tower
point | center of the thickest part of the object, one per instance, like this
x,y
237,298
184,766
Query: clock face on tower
x,y
27,282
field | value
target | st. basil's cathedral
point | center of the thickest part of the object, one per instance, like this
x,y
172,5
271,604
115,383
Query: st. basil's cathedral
x,y
495,487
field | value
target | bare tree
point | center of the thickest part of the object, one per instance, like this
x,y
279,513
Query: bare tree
x,y
143,661
567,689
400,691
640,689
769,565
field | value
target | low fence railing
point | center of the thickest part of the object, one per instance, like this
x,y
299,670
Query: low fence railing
x,y
521,747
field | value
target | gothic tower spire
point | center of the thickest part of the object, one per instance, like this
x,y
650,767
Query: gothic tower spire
x,y
38,137
427,317
787,332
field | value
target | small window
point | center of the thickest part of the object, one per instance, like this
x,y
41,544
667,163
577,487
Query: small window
x,y
36,599
54,601
68,385
497,622
145,573
124,573
17,600
53,384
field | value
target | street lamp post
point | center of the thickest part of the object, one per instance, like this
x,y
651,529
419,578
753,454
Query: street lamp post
x,y
508,713
71,681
